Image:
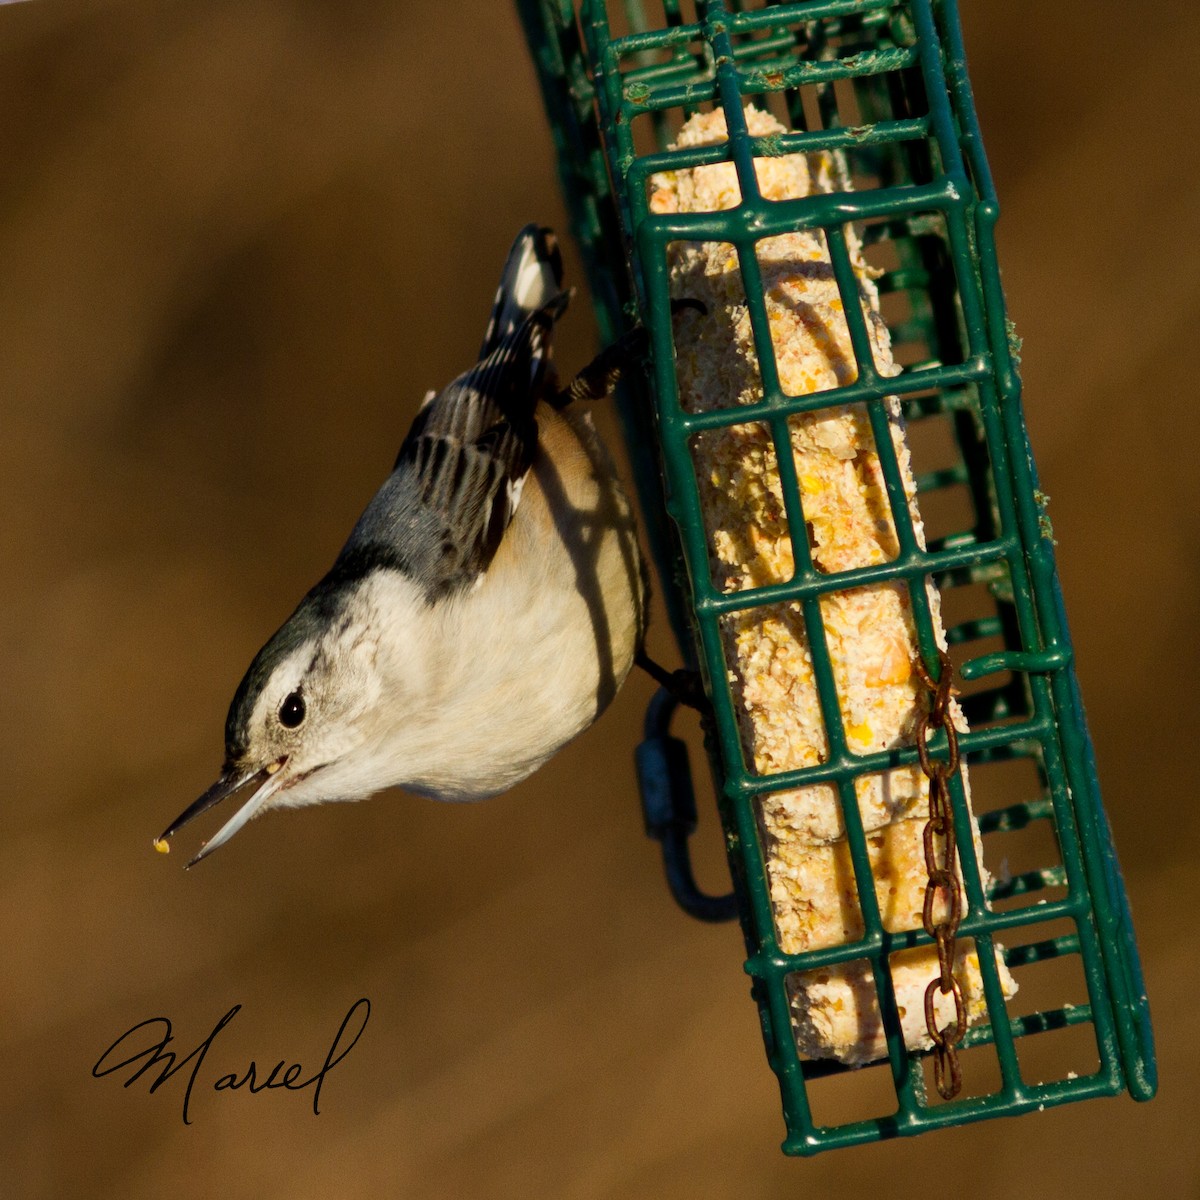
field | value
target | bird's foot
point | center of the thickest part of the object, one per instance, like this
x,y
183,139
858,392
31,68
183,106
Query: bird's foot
x,y
682,685
598,379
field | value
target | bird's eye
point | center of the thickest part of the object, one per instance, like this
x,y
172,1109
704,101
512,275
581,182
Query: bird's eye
x,y
291,712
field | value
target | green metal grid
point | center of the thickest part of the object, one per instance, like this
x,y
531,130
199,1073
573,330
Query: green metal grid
x,y
883,85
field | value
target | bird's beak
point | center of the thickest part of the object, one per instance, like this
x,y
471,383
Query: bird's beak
x,y
265,782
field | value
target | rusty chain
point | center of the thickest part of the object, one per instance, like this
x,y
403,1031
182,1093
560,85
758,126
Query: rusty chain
x,y
943,875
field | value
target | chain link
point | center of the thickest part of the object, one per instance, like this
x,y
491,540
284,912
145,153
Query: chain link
x,y
941,865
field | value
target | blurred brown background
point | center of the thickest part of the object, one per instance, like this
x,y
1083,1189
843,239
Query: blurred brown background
x,y
237,242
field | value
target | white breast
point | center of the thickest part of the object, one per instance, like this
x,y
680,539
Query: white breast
x,y
535,653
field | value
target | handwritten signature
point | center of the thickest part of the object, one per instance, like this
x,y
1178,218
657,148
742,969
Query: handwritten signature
x,y
281,1075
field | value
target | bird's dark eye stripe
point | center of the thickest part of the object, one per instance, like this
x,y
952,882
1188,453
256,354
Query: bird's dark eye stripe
x,y
291,711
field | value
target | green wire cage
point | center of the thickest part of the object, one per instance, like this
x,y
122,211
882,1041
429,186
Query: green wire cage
x,y
882,86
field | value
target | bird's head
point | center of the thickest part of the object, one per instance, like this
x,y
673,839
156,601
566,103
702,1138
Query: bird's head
x,y
304,723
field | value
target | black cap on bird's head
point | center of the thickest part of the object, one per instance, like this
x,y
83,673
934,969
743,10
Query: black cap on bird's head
x,y
303,628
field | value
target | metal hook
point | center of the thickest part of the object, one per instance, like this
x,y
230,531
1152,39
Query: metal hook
x,y
669,808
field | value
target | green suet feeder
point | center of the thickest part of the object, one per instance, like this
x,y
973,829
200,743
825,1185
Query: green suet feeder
x,y
880,88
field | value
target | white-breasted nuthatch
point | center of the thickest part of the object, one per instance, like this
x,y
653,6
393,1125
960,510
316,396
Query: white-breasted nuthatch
x,y
486,608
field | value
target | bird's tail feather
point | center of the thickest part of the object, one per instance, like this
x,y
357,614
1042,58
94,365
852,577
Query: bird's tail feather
x,y
531,282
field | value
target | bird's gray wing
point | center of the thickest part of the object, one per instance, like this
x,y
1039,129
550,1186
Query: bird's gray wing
x,y
442,512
